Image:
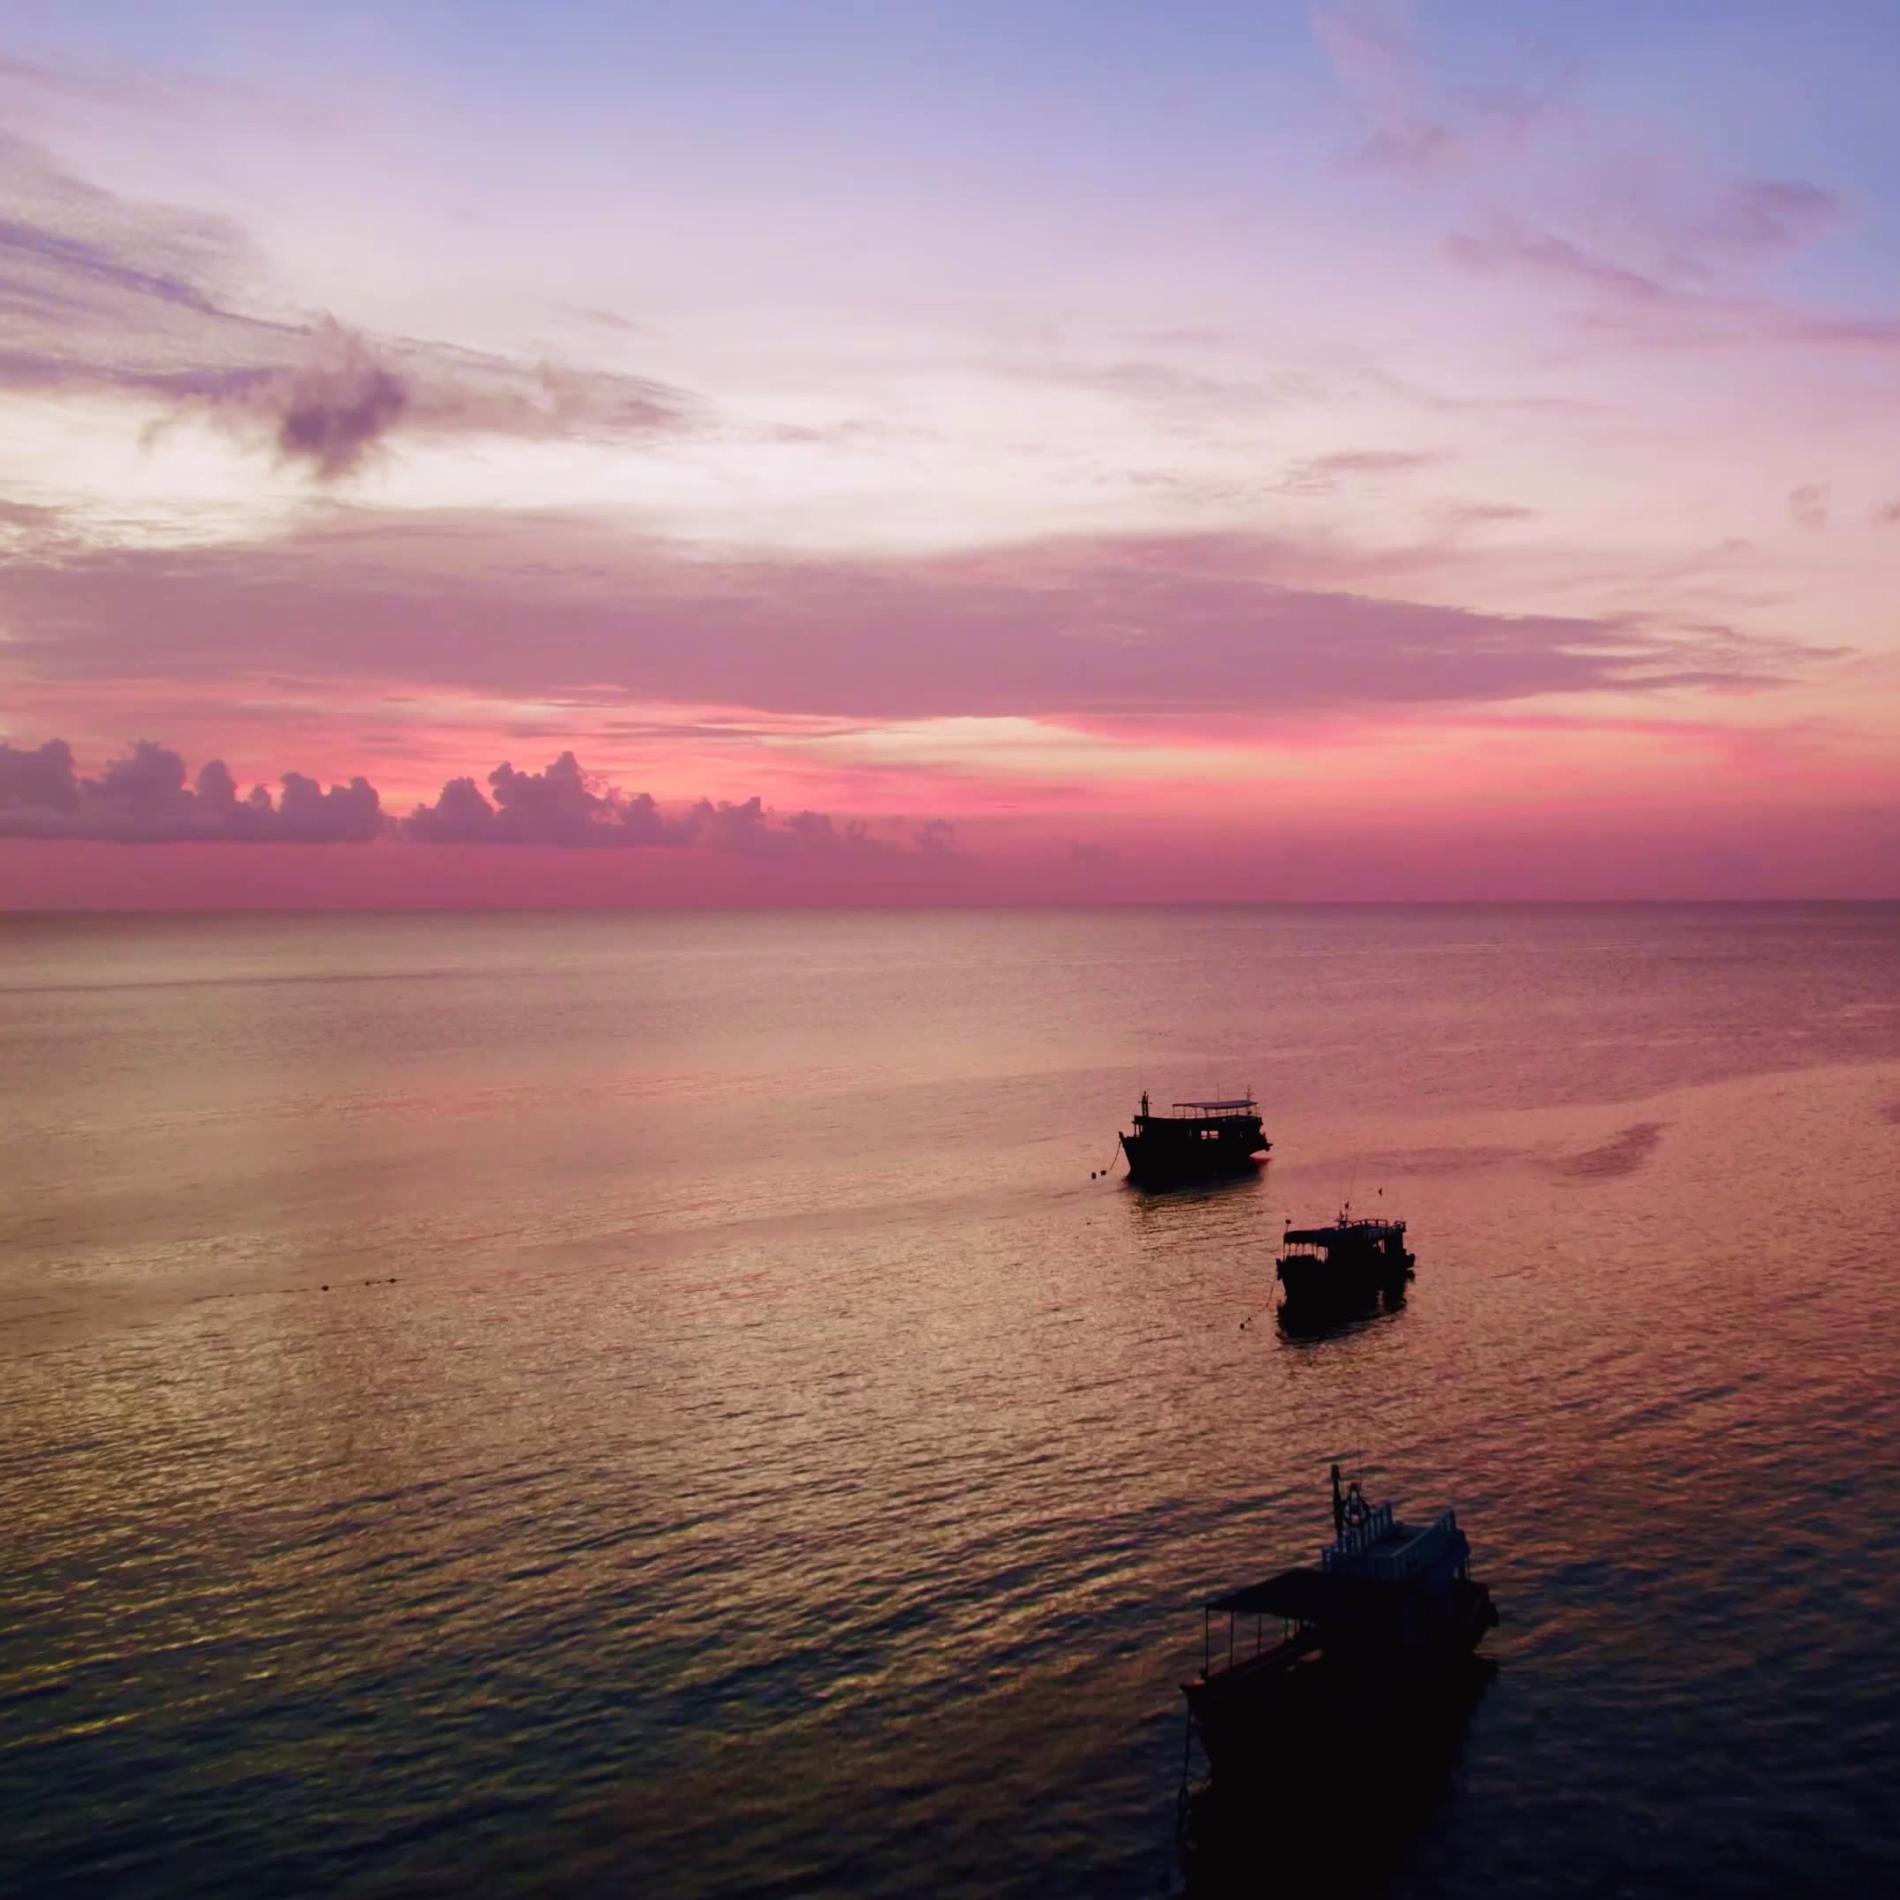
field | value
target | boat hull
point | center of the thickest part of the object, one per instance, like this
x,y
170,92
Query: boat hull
x,y
1158,1163
1300,1709
1317,1288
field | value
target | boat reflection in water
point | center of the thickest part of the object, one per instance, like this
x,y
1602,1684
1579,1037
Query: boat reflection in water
x,y
1336,1692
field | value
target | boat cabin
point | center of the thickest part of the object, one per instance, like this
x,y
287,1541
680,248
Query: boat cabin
x,y
1383,1584
1345,1237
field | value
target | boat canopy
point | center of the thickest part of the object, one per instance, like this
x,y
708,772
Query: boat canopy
x,y
1239,1102
1354,1230
1303,1596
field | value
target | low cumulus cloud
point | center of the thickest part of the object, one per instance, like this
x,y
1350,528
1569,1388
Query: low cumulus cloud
x,y
147,797
144,798
566,805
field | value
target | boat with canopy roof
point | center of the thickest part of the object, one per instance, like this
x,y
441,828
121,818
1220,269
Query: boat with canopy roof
x,y
1369,1635
1199,1141
1351,1265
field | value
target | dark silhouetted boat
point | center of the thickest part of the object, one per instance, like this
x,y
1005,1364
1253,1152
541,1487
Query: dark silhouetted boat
x,y
1199,1141
1348,1267
1363,1647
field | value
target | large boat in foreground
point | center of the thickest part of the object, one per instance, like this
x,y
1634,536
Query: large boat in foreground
x,y
1199,1141
1369,1640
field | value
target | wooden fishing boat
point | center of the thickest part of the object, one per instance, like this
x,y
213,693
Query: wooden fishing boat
x,y
1199,1141
1363,1645
1347,1267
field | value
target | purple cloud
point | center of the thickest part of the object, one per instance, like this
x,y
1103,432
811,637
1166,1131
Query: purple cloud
x,y
1808,505
143,798
1746,221
1323,474
1544,254
460,815
39,781
565,805
1756,217
1413,124
1161,624
338,406
101,292
1657,308
1656,234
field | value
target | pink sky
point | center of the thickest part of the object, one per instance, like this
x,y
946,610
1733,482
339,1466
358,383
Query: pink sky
x,y
1346,452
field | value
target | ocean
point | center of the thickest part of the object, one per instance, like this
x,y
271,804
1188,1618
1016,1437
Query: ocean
x,y
686,1405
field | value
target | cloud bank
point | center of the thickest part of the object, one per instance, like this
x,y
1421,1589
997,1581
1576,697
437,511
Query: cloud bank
x,y
144,798
1130,625
565,805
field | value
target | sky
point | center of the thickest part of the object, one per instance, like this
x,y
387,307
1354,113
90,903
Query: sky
x,y
900,451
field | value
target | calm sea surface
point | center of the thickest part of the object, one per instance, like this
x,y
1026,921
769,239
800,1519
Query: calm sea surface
x,y
659,1405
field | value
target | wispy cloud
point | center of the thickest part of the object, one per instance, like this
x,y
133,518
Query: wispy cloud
x,y
1480,514
106,294
1752,218
1412,122
1662,248
1809,505
1662,308
1326,474
1153,384
1509,249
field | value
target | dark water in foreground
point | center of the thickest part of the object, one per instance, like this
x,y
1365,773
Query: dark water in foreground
x,y
740,1448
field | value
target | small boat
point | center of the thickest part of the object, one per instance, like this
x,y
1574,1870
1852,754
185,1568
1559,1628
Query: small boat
x,y
1347,1267
1371,1643
1199,1141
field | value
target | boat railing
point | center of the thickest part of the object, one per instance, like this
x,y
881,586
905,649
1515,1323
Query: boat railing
x,y
1355,1549
1294,1641
1356,1539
